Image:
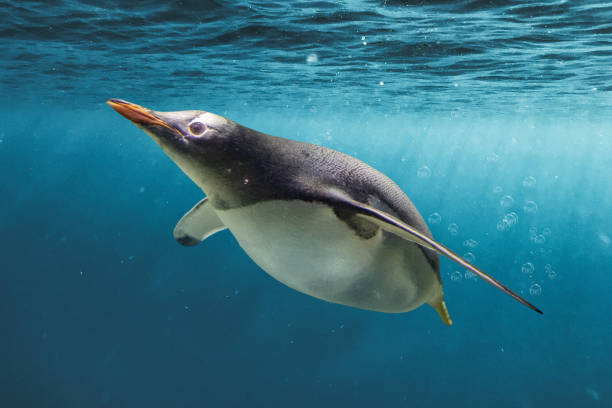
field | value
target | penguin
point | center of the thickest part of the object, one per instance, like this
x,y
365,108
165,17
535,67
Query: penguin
x,y
321,222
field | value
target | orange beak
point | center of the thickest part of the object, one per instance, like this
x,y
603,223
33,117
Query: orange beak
x,y
137,114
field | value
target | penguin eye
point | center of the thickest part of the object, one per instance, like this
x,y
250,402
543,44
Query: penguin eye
x,y
197,128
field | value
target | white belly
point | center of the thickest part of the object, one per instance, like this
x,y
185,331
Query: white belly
x,y
307,248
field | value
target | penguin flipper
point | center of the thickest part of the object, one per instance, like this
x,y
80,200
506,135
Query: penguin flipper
x,y
198,224
397,227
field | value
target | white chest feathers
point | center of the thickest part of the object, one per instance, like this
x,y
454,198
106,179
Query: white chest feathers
x,y
306,247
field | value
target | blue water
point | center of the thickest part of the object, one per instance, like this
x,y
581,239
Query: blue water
x,y
494,117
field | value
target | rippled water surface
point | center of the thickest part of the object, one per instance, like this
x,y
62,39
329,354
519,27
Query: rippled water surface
x,y
493,116
403,55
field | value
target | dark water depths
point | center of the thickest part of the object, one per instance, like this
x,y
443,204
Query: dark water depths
x,y
494,117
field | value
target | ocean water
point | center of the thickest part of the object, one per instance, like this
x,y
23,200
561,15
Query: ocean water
x,y
493,116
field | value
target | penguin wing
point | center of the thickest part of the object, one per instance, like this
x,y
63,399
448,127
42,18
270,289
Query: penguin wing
x,y
198,224
397,227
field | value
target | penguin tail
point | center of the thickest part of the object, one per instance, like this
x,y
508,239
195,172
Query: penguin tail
x,y
440,307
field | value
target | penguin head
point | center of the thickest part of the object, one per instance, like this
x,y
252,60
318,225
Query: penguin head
x,y
195,140
179,128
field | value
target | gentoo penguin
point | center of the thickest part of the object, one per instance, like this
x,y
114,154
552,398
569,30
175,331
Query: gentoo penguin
x,y
319,221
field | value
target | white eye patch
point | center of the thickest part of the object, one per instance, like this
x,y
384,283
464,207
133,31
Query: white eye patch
x,y
211,120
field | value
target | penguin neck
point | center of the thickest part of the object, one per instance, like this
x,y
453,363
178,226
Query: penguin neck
x,y
224,184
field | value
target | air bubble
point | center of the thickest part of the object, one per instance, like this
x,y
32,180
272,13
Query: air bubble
x,y
529,182
538,239
470,243
550,272
434,219
533,231
498,189
453,229
511,219
530,207
456,276
546,232
506,201
423,172
535,290
470,257
604,238
468,275
527,268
